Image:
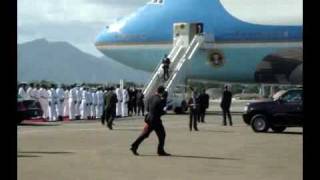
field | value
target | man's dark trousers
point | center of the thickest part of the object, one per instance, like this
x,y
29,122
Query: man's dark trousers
x,y
161,133
202,114
194,117
226,112
166,73
108,116
141,108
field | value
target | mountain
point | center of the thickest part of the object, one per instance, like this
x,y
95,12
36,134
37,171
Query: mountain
x,y
63,63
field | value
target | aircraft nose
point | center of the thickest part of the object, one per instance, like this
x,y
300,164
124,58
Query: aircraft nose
x,y
113,33
105,37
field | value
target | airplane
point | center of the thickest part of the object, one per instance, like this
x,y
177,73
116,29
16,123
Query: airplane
x,y
260,41
257,41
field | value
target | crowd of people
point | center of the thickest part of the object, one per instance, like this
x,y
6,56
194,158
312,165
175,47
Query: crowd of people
x,y
77,102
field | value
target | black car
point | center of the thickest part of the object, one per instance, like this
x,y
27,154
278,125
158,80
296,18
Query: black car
x,y
27,109
284,110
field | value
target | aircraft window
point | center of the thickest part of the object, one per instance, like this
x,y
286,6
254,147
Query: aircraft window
x,y
156,1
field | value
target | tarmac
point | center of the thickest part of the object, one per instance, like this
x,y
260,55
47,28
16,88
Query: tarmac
x,y
86,150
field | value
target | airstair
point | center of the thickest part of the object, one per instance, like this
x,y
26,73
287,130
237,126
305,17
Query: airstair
x,y
181,53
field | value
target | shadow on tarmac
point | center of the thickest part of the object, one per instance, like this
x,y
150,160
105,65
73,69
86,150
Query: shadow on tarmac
x,y
26,156
292,133
192,157
215,131
45,152
34,124
127,129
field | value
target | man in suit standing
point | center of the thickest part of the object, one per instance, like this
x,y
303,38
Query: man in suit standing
x,y
140,102
193,103
225,105
203,105
155,108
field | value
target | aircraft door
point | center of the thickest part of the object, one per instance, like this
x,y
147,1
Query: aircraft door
x,y
186,31
181,31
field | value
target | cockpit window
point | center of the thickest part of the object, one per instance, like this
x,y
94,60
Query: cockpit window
x,y
156,1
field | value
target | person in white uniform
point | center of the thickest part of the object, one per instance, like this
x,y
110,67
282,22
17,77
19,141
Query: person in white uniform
x,y
22,91
66,102
125,101
94,104
44,102
52,103
99,94
119,97
29,92
89,103
60,101
72,102
36,93
79,99
84,104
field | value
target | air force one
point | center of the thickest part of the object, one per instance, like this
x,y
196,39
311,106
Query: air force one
x,y
245,41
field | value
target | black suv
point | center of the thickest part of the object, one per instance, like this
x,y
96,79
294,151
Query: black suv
x,y
27,109
284,110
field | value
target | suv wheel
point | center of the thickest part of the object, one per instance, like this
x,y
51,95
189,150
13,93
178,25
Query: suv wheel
x,y
278,129
259,123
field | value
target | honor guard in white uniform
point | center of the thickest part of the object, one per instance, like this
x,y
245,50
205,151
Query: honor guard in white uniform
x,y
60,101
29,93
72,102
94,100
89,103
66,103
53,101
99,94
84,104
44,102
119,97
79,99
22,91
125,101
36,93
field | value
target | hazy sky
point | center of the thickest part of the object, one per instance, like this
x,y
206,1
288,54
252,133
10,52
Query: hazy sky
x,y
74,21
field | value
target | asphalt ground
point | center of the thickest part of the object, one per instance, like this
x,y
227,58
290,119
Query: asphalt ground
x,y
86,150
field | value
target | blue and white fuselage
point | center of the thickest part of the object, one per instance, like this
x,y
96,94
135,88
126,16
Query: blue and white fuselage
x,y
259,39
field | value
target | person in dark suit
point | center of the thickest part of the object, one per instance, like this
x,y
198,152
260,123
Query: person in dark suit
x,y
165,66
225,105
140,102
130,105
134,100
110,101
193,104
155,108
203,105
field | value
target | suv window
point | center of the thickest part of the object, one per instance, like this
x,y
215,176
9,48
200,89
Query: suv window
x,y
292,97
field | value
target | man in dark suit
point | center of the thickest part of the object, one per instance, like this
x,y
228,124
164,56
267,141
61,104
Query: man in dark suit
x,y
110,101
140,102
225,105
193,104
155,108
133,100
165,66
203,105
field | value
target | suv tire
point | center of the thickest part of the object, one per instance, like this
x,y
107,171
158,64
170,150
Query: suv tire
x,y
278,129
259,123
